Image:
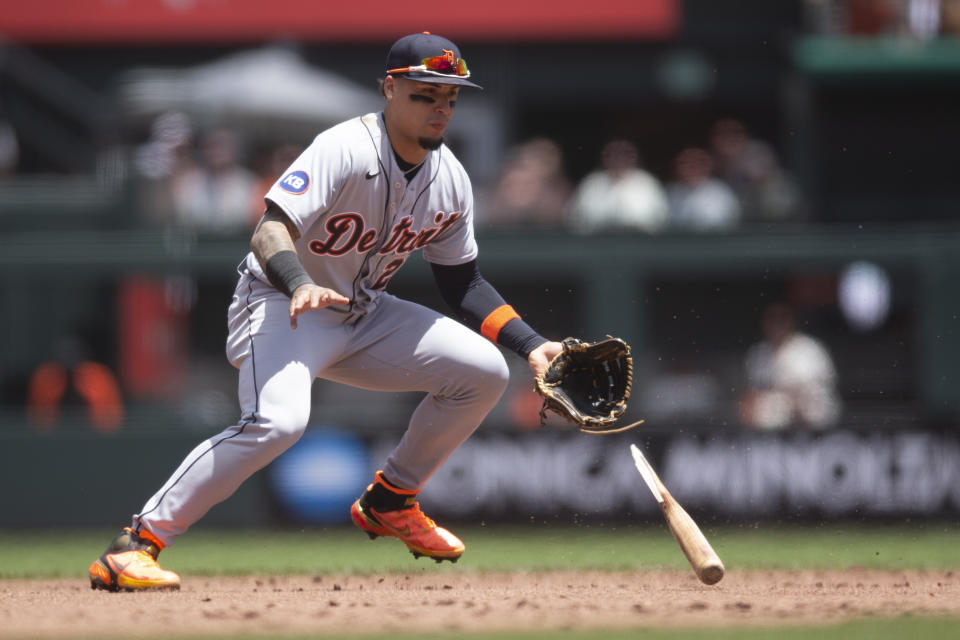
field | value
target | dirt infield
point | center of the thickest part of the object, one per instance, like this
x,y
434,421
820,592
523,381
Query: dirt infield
x,y
471,602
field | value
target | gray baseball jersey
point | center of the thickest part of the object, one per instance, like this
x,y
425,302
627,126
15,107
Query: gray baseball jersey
x,y
358,217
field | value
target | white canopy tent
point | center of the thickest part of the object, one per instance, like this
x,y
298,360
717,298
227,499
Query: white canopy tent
x,y
269,91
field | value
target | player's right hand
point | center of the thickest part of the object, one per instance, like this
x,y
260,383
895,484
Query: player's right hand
x,y
541,357
311,296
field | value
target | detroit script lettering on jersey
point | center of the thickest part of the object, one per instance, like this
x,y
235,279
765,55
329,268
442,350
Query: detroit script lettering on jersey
x,y
348,232
358,216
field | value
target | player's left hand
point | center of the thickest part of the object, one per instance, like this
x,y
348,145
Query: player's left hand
x,y
541,357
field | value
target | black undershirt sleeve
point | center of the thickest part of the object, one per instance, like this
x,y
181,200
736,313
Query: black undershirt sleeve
x,y
473,299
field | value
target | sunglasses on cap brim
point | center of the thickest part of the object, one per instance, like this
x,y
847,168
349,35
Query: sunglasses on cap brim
x,y
445,65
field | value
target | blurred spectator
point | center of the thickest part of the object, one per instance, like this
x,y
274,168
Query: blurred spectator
x,y
950,18
791,379
824,16
215,194
9,149
160,163
923,18
698,200
73,378
273,163
532,189
920,19
872,17
619,195
753,171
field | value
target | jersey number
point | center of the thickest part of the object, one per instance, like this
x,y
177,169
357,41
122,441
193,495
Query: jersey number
x,y
388,272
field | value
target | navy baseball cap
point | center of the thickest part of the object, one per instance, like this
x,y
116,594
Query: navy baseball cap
x,y
426,57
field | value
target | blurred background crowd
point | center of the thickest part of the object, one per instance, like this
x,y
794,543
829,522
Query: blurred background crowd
x,y
760,196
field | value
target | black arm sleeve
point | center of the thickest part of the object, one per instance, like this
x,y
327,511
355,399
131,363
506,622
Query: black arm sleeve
x,y
473,299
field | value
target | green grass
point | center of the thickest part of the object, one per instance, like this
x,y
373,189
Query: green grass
x,y
904,628
42,554
898,629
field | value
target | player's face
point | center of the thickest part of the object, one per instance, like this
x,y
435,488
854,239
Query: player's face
x,y
420,111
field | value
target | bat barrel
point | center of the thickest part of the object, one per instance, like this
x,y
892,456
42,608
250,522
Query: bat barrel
x,y
711,573
703,559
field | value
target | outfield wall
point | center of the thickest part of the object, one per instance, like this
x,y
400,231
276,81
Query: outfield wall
x,y
501,477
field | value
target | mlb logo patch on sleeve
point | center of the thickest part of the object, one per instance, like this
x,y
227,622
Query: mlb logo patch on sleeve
x,y
295,182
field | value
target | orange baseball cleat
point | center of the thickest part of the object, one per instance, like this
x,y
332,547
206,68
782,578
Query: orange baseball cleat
x,y
385,510
130,563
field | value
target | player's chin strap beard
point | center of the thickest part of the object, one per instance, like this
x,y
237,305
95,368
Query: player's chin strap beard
x,y
430,144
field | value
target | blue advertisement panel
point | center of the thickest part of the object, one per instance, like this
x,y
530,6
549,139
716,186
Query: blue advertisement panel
x,y
722,477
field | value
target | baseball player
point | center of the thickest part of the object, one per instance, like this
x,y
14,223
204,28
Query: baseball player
x,y
311,302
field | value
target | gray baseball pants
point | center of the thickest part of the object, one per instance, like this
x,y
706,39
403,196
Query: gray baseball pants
x,y
398,346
